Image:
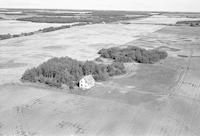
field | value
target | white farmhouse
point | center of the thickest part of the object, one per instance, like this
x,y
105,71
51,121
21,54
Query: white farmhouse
x,y
87,82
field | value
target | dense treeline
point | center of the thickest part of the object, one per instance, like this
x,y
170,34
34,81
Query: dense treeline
x,y
133,53
8,36
5,36
67,71
44,30
50,29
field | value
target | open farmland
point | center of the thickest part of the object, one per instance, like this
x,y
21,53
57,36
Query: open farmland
x,y
161,99
26,22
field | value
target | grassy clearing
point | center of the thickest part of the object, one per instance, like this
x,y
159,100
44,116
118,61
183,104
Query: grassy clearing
x,y
150,78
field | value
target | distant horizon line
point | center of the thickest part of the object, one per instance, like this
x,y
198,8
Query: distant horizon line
x,y
105,10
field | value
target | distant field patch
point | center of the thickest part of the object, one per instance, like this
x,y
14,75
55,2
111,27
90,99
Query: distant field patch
x,y
53,47
52,19
95,17
57,14
181,30
14,14
185,56
169,48
11,64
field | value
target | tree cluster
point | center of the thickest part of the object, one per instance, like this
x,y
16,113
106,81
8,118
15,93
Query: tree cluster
x,y
66,71
133,53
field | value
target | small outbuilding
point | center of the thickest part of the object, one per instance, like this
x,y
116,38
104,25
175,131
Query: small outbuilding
x,y
87,82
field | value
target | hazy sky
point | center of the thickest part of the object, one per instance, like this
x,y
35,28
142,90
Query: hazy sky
x,y
144,5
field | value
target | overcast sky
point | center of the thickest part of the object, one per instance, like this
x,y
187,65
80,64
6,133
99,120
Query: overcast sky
x,y
142,5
